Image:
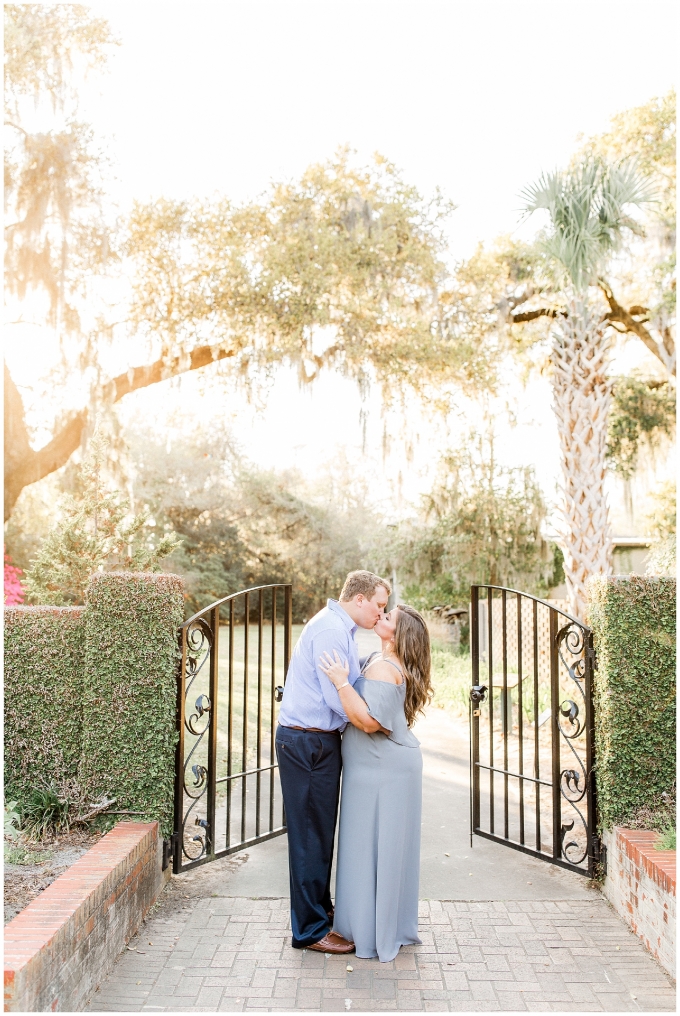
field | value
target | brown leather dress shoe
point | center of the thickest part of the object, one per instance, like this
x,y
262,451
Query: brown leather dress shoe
x,y
333,943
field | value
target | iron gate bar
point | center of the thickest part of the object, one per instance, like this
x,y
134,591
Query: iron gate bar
x,y
272,712
199,639
541,855
474,741
212,743
537,758
244,735
258,750
230,721
249,772
575,640
489,621
590,750
518,776
554,713
520,724
503,601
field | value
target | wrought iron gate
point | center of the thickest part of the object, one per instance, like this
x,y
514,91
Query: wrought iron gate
x,y
532,752
235,655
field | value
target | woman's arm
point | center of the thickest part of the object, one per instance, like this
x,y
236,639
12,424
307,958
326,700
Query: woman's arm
x,y
352,702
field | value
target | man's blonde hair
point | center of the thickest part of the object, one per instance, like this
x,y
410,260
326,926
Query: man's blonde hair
x,y
362,582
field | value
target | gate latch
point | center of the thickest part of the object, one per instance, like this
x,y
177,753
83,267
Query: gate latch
x,y
477,695
278,693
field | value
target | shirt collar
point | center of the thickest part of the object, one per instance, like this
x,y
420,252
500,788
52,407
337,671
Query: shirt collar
x,y
334,605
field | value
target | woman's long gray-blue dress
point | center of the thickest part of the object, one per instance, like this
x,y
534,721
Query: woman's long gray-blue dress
x,y
376,894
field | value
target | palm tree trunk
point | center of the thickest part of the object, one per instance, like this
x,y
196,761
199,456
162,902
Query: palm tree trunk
x,y
581,397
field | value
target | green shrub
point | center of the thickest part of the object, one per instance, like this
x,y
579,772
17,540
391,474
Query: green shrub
x,y
130,691
11,820
634,694
44,810
668,840
44,648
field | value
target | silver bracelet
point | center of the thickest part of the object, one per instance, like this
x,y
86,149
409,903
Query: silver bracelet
x,y
342,686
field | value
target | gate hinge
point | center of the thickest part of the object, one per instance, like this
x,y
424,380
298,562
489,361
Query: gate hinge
x,y
591,656
600,857
169,847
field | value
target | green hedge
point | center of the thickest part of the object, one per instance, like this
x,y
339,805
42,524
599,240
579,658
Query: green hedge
x,y
634,690
130,691
44,648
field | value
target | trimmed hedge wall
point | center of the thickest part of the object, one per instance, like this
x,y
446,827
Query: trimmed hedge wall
x,y
91,695
130,691
44,652
634,691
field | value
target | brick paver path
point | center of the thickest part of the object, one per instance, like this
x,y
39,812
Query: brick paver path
x,y
233,954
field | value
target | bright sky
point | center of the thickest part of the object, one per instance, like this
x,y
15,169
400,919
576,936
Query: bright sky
x,y
476,97
472,96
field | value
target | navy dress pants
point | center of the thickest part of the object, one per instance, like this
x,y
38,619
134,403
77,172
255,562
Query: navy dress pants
x,y
309,766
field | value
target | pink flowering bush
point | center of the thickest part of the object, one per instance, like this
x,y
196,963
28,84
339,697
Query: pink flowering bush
x,y
14,591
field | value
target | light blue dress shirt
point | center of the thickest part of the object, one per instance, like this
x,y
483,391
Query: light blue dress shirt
x,y
310,699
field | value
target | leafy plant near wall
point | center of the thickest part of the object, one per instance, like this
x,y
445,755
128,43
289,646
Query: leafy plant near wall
x,y
634,695
44,649
129,692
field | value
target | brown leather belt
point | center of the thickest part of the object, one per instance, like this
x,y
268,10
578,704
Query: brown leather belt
x,y
310,730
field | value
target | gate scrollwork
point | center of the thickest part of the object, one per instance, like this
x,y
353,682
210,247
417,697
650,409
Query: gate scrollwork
x,y
532,752
216,767
199,642
571,724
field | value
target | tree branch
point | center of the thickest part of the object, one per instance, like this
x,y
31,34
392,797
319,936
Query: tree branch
x,y
161,370
531,315
24,465
10,123
664,351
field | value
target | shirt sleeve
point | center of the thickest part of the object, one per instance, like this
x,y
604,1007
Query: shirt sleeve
x,y
326,641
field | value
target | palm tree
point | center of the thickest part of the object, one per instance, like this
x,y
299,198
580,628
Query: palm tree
x,y
588,220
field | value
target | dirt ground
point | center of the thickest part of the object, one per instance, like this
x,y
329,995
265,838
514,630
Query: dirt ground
x,y
23,882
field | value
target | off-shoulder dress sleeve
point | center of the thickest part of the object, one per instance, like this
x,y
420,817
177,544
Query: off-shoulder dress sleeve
x,y
385,703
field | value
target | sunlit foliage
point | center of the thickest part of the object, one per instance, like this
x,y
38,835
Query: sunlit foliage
x,y
480,523
662,523
640,414
96,532
342,268
56,234
243,526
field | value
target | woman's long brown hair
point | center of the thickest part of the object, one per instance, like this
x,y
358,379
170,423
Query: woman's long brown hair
x,y
412,649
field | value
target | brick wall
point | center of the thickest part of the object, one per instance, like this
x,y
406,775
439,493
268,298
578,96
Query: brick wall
x,y
640,885
60,947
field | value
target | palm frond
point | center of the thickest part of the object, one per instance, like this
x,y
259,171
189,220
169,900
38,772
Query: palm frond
x,y
588,213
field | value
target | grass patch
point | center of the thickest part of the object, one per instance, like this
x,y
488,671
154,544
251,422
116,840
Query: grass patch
x,y
451,677
18,854
667,840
